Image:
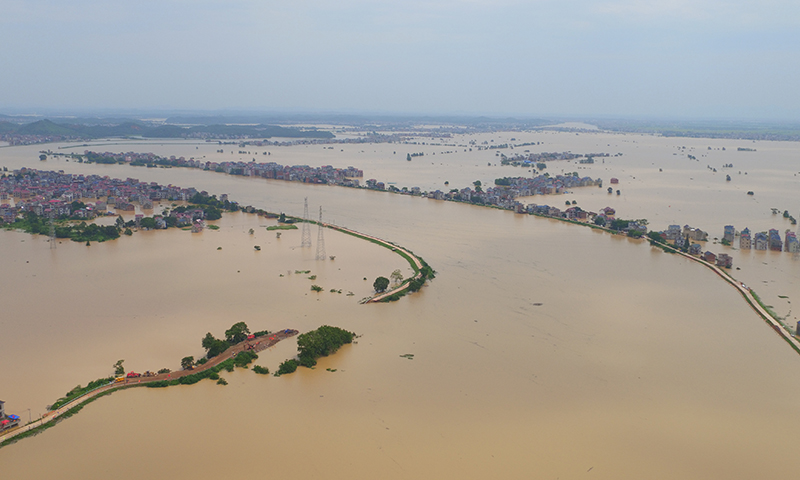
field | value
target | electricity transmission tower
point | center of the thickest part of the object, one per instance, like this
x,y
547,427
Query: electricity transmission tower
x,y
306,237
320,239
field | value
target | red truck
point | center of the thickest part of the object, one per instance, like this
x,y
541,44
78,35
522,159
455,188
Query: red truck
x,y
134,375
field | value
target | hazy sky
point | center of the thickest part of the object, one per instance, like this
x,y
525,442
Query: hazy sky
x,y
687,58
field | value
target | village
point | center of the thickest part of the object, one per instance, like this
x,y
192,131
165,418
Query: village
x,y
58,195
294,173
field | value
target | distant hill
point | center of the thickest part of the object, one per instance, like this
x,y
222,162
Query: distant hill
x,y
166,131
6,127
47,127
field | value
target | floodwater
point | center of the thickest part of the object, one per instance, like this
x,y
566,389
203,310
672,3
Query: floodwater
x,y
541,350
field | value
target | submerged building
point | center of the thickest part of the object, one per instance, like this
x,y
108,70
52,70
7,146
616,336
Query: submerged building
x,y
730,232
775,242
761,241
745,242
792,244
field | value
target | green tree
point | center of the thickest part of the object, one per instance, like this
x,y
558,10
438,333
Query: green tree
x,y
321,343
213,345
237,333
43,157
288,366
187,363
396,276
148,223
118,368
120,222
380,284
619,224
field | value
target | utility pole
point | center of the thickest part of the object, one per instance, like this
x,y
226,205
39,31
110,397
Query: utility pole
x,y
306,235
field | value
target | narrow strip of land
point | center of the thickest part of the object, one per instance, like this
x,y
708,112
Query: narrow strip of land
x,y
743,290
256,344
748,296
416,262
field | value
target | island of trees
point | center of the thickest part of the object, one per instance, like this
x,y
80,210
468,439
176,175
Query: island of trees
x,y
315,344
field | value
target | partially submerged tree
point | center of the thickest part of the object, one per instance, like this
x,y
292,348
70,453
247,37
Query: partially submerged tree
x,y
381,284
396,277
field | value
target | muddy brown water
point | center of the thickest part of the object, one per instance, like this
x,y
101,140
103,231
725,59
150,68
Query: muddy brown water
x,y
637,364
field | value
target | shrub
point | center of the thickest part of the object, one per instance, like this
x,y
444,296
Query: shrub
x,y
242,359
289,366
261,370
307,361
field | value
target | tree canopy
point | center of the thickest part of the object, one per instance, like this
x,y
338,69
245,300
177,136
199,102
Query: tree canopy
x,y
187,363
381,284
237,333
213,345
321,343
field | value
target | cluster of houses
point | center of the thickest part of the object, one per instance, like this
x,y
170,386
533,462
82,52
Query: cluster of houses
x,y
347,177
527,159
504,195
53,193
22,139
721,260
682,237
770,240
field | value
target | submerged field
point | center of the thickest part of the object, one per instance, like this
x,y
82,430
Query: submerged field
x,y
541,349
